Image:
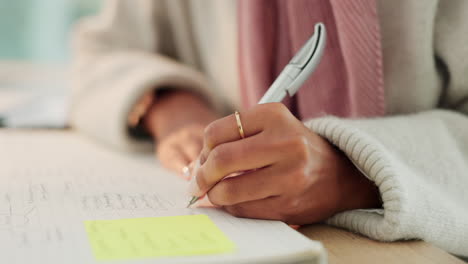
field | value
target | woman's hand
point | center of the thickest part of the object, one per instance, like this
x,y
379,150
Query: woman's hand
x,y
292,174
176,121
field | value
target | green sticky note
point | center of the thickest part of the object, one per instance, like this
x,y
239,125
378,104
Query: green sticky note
x,y
156,237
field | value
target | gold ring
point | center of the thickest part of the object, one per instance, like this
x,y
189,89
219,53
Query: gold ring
x,y
239,125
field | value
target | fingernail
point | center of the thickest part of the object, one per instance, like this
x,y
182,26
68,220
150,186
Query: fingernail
x,y
186,171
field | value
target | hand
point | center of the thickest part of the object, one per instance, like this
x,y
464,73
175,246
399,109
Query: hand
x,y
180,148
292,174
177,121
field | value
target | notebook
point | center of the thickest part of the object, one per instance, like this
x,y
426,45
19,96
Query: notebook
x,y
52,182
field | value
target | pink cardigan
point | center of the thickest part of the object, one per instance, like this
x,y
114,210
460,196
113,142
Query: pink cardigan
x,y
349,79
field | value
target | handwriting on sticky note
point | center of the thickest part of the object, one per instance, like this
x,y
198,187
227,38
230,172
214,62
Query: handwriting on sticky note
x,y
156,237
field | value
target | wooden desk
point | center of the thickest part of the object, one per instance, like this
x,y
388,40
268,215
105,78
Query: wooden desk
x,y
346,247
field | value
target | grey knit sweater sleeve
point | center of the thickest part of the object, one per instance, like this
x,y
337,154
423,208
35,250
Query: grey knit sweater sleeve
x,y
420,165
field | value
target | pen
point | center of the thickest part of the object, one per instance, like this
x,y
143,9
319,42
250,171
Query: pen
x,y
298,70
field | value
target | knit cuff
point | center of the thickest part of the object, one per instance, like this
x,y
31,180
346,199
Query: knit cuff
x,y
372,159
105,97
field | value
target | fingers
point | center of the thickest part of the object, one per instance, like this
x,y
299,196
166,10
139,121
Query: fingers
x,y
172,157
251,186
259,209
192,145
225,129
243,155
180,149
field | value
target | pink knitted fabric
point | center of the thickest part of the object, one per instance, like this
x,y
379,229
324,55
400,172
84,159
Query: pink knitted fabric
x,y
349,80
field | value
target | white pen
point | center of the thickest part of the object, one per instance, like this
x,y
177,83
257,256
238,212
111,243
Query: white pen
x,y
298,70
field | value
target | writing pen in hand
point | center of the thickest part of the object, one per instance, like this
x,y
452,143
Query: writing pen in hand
x,y
288,82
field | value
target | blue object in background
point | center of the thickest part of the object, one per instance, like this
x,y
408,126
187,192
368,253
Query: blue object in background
x,y
34,44
39,30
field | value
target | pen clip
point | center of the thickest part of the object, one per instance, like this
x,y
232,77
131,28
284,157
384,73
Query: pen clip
x,y
299,68
307,59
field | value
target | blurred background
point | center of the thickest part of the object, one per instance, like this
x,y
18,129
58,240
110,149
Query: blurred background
x,y
34,54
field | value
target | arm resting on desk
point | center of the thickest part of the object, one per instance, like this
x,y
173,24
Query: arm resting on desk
x,y
121,55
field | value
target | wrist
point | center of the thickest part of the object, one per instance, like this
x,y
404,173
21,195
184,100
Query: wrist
x,y
357,191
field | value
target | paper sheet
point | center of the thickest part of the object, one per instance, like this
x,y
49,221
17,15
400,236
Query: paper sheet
x,y
51,182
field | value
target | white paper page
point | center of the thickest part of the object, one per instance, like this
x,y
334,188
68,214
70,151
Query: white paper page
x,y
50,182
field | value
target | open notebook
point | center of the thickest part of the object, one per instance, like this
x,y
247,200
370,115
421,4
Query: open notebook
x,y
52,181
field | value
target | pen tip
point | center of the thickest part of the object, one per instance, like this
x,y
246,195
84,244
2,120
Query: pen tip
x,y
192,201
